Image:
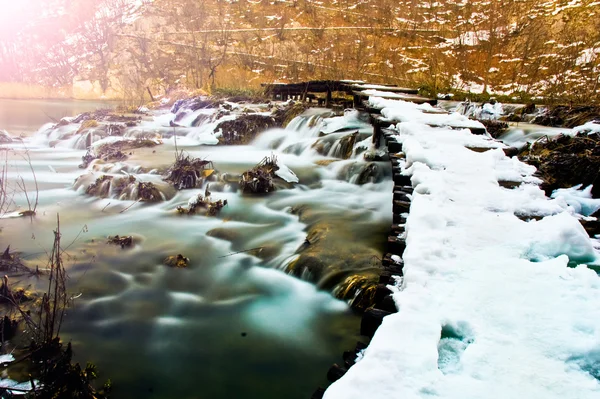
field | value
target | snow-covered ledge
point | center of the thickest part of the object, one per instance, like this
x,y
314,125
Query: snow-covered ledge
x,y
488,307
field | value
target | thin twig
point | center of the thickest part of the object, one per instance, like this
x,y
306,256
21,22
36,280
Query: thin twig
x,y
240,252
130,205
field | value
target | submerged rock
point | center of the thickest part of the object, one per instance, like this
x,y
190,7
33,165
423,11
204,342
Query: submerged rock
x,y
337,145
122,188
362,172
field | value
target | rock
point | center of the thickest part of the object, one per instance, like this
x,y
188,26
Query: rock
x,y
494,127
244,128
528,109
179,261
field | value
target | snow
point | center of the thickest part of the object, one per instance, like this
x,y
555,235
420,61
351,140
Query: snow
x,y
488,305
7,358
589,127
386,94
403,111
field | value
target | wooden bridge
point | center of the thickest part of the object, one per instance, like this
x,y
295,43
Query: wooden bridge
x,y
358,90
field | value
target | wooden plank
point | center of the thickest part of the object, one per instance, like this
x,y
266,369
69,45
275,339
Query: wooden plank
x,y
397,96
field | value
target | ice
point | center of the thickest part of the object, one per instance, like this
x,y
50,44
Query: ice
x,y
350,120
492,304
18,386
286,173
580,200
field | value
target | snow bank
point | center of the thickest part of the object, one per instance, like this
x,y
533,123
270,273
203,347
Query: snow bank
x,y
402,111
488,307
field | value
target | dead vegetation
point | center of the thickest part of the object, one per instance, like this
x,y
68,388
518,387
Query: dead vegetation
x,y
566,161
10,262
567,116
122,241
202,204
38,322
188,172
177,261
259,180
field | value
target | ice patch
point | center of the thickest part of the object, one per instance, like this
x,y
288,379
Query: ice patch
x,y
580,200
286,173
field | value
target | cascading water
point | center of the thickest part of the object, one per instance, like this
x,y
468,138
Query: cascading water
x,y
222,327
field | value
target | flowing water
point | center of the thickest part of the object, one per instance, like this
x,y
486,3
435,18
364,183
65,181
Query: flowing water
x,y
232,324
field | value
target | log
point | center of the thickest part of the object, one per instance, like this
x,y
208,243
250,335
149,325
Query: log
x,y
360,346
402,180
398,229
385,277
388,304
396,245
371,321
405,189
511,151
401,196
381,291
398,218
401,206
349,358
318,394
335,373
394,147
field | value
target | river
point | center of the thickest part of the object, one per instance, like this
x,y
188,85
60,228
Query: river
x,y
232,324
